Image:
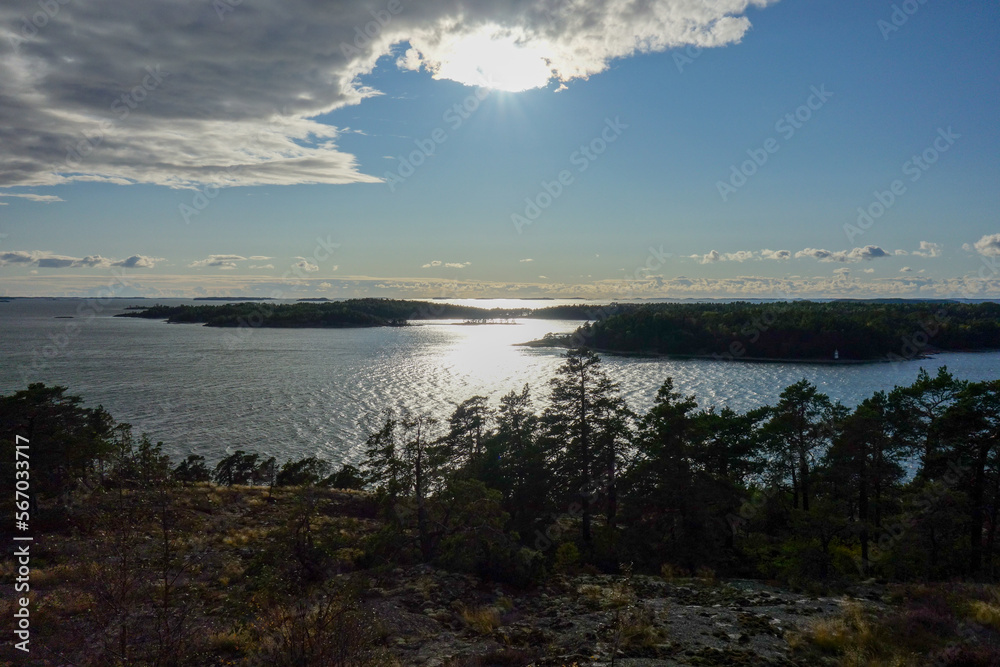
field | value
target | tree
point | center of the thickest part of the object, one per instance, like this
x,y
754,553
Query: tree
x,y
800,425
68,441
583,425
659,481
348,477
865,460
524,470
309,470
463,444
191,470
923,403
237,468
968,435
397,464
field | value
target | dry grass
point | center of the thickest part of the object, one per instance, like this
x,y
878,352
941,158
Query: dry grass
x,y
985,613
481,620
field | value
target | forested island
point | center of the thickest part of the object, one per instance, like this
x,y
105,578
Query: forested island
x,y
843,330
551,529
349,313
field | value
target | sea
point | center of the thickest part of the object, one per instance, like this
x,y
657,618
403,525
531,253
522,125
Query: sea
x,y
292,393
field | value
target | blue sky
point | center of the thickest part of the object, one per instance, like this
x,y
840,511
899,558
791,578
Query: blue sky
x,y
648,130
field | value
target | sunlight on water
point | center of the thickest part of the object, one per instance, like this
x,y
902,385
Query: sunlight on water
x,y
301,392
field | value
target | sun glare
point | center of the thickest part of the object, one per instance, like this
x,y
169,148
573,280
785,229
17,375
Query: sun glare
x,y
483,59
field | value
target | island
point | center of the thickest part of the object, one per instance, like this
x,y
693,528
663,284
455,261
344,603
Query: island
x,y
843,331
836,332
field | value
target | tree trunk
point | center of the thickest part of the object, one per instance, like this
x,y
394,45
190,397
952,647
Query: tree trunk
x,y
422,534
863,507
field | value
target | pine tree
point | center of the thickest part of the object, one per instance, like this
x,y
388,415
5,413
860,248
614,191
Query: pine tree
x,y
585,425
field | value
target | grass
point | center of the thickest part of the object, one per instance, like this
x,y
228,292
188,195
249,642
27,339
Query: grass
x,y
481,620
946,624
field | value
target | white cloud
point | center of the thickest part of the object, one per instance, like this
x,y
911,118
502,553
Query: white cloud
x,y
225,94
258,258
906,269
988,246
47,260
262,266
869,252
304,264
775,254
523,261
715,256
928,249
226,262
45,199
449,265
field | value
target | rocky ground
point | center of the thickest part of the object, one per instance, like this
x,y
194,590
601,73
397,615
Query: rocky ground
x,y
439,619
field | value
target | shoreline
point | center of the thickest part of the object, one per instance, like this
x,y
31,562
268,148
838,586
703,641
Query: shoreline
x,y
732,358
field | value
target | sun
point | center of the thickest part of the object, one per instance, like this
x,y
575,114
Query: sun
x,y
498,61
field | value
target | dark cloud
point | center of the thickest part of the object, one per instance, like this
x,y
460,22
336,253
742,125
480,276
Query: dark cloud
x,y
182,93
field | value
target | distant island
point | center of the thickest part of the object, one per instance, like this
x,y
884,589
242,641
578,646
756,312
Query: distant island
x,y
233,298
847,331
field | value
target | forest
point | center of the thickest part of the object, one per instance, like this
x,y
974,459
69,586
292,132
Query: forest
x,y
808,492
843,330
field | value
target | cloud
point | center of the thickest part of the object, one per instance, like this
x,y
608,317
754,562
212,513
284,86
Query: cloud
x,y
258,258
262,266
741,256
304,264
450,265
225,262
523,261
196,93
47,260
869,252
45,199
139,262
709,257
905,269
988,246
928,249
715,256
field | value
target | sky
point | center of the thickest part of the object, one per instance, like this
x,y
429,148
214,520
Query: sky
x,y
607,149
